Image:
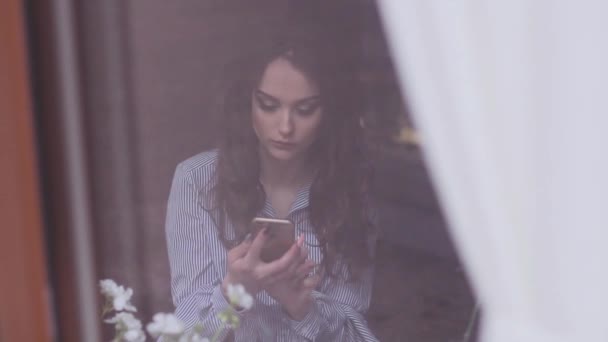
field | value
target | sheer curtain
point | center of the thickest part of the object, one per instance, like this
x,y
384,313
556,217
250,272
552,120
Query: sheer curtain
x,y
512,104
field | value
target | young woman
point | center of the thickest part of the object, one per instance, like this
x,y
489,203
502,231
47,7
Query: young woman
x,y
291,149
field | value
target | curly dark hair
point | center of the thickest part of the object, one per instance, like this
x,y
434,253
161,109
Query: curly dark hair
x,y
339,193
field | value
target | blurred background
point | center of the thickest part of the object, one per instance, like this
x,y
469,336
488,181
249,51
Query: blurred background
x,y
119,92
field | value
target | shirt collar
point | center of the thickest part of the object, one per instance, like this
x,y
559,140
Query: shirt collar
x,y
302,197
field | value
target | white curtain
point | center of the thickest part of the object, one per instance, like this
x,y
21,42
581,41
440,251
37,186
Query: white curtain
x,y
511,99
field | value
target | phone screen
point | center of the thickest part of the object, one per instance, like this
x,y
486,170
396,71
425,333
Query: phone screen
x,y
280,237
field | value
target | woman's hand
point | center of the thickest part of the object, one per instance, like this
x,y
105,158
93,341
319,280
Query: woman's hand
x,y
245,266
296,298
294,290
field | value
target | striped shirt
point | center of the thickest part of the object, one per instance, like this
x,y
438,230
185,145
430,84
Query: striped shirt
x,y
198,265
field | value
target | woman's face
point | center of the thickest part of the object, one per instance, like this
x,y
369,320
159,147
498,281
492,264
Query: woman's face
x,y
286,111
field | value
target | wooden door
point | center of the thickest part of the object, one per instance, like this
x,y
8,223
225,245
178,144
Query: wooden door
x,y
24,304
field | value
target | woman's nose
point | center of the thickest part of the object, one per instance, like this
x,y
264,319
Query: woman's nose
x,y
286,123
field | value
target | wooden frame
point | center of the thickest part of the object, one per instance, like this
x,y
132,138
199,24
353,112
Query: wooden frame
x,y
24,308
55,65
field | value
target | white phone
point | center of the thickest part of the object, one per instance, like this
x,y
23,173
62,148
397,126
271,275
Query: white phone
x,y
281,236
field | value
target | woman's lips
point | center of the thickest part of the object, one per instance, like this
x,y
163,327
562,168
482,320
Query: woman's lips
x,y
283,145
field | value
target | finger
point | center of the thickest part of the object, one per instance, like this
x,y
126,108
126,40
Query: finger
x,y
291,258
294,278
303,254
303,249
300,260
305,268
290,273
302,272
256,245
310,283
239,251
277,277
283,263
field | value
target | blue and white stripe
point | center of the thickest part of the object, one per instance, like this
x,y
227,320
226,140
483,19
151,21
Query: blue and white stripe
x,y
198,265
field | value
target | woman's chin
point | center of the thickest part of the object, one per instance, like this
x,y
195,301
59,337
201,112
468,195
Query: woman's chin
x,y
283,155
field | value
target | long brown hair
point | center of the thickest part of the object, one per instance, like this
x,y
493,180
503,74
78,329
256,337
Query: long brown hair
x,y
338,205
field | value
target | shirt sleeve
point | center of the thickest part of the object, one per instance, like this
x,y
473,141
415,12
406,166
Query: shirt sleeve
x,y
195,285
337,311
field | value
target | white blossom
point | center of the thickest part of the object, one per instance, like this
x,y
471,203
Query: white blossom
x,y
165,324
134,336
117,295
193,337
108,287
238,296
128,328
196,338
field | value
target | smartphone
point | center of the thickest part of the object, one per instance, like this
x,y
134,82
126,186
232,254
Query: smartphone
x,y
281,236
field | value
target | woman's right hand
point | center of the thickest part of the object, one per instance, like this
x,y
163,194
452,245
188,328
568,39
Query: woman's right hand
x,y
246,267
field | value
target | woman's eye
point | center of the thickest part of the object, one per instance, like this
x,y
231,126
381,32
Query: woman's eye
x,y
267,107
307,110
